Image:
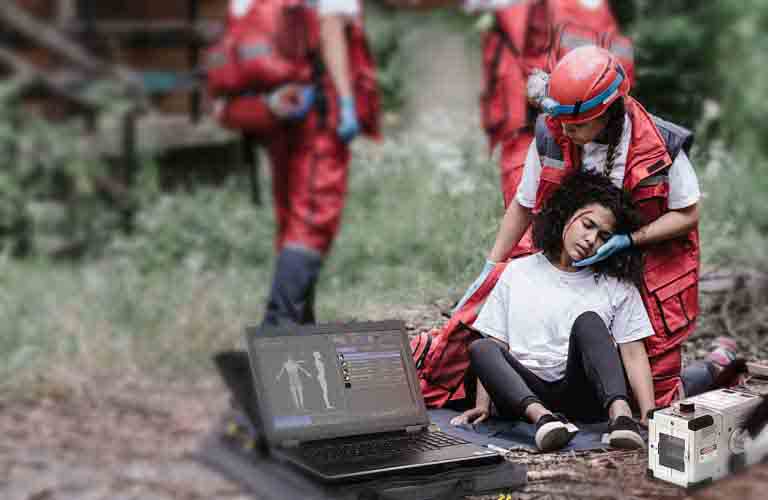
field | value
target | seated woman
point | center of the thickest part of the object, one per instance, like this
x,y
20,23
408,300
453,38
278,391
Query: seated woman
x,y
552,328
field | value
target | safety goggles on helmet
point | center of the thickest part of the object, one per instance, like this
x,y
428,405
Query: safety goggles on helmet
x,y
554,108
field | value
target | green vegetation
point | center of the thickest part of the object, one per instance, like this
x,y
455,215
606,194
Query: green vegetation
x,y
197,267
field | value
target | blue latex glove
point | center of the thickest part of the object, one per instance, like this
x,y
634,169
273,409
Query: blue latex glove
x,y
307,99
348,125
291,101
487,268
615,244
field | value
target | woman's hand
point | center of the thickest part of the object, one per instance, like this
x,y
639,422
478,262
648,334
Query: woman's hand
x,y
472,416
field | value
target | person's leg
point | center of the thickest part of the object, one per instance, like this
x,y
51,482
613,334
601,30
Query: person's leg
x,y
698,377
279,152
594,373
515,391
294,279
309,216
701,375
511,386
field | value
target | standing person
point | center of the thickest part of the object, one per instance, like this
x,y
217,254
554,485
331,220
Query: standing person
x,y
309,170
595,125
302,83
554,348
525,41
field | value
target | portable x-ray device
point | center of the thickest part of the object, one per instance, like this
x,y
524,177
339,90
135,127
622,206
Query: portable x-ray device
x,y
700,439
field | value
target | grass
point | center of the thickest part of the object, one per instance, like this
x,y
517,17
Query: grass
x,y
198,269
199,266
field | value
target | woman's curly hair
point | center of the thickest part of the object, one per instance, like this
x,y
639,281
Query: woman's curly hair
x,y
577,191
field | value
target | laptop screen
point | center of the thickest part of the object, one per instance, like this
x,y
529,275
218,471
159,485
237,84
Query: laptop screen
x,y
320,382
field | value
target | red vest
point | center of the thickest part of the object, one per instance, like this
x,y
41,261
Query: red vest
x,y
671,276
536,34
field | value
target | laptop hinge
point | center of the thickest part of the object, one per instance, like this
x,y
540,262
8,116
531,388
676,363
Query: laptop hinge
x,y
289,443
414,428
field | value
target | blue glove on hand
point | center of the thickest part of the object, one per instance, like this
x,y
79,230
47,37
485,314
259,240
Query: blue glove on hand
x,y
348,125
291,101
615,244
487,268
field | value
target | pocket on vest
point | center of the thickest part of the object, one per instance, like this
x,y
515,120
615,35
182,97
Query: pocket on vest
x,y
674,285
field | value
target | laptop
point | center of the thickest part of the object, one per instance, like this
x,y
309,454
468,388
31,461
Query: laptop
x,y
342,402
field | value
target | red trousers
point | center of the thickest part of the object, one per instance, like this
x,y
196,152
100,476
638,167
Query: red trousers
x,y
309,184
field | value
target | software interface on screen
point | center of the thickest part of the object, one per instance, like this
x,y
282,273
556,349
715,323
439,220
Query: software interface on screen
x,y
334,378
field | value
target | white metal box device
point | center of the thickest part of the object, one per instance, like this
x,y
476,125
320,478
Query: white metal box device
x,y
700,439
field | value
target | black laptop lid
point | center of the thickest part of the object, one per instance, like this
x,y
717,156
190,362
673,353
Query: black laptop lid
x,y
332,380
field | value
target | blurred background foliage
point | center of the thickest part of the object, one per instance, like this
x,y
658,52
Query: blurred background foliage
x,y
701,64
197,264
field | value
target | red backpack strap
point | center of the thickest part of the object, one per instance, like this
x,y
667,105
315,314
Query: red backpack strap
x,y
364,80
465,316
442,356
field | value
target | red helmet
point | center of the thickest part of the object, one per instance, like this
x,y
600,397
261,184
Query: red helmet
x,y
584,83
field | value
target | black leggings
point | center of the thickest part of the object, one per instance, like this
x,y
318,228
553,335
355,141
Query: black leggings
x,y
594,375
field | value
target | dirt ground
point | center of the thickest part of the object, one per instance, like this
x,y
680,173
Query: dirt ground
x,y
133,439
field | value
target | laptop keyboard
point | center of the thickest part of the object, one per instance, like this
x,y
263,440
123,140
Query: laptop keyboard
x,y
378,447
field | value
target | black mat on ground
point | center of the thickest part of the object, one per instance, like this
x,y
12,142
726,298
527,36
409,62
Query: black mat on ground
x,y
268,479
515,433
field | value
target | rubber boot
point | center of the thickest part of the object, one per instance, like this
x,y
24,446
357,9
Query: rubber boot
x,y
291,298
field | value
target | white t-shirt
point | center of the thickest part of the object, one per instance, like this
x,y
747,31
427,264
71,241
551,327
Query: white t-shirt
x,y
489,5
683,183
343,7
534,305
324,7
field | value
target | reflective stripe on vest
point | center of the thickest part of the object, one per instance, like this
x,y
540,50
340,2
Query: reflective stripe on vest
x,y
654,180
547,161
675,137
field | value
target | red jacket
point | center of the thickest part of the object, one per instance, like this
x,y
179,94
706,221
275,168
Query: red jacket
x,y
671,275
536,34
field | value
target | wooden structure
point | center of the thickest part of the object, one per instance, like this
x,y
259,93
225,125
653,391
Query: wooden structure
x,y
50,50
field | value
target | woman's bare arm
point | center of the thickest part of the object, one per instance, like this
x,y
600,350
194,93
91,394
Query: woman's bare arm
x,y
638,369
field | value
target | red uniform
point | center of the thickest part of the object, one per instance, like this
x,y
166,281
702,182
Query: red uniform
x,y
671,277
530,35
270,44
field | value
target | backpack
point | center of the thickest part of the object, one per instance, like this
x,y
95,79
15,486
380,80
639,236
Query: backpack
x,y
537,34
267,43
441,356
262,48
275,42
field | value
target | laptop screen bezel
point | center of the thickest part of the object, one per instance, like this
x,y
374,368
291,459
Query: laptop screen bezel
x,y
277,436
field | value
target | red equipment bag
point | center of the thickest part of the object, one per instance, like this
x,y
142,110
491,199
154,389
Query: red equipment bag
x,y
222,71
275,45
249,113
441,356
268,45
